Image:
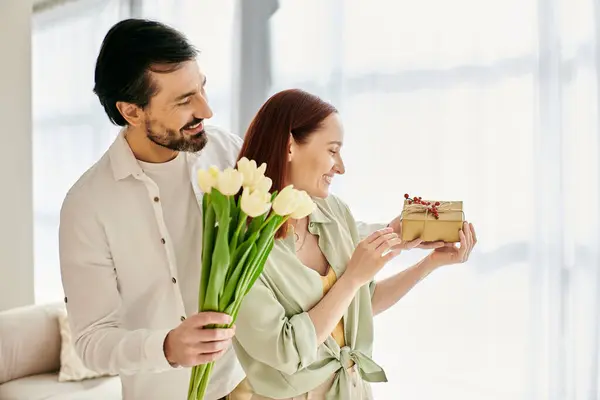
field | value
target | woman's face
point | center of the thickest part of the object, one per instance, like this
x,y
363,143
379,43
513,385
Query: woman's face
x,y
314,164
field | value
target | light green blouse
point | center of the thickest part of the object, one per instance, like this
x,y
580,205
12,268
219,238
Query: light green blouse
x,y
276,340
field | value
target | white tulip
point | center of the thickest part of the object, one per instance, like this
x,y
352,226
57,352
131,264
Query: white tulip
x,y
207,179
286,201
255,203
229,182
264,185
305,206
253,175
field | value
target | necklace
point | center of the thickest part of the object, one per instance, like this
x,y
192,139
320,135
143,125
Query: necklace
x,y
298,237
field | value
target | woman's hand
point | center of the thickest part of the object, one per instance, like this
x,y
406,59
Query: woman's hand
x,y
368,257
450,253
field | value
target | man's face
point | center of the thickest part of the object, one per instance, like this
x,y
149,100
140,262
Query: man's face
x,y
174,117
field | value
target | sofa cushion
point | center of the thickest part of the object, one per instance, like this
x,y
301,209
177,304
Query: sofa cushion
x,y
47,387
29,341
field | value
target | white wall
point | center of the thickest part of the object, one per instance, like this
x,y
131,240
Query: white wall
x,y
16,183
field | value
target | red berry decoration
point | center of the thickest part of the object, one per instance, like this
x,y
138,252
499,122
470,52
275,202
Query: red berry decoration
x,y
432,208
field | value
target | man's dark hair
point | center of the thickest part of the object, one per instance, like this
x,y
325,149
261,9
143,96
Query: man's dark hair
x,y
130,50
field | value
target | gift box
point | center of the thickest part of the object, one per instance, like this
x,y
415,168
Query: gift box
x,y
432,220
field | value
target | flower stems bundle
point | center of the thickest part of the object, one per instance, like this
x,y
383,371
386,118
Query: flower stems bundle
x,y
240,219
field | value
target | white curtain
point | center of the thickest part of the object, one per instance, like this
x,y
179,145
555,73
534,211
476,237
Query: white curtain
x,y
70,129
489,102
209,25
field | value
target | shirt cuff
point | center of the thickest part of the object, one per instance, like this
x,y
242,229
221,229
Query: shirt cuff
x,y
305,338
155,351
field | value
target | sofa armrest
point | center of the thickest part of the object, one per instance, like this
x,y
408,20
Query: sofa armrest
x,y
29,341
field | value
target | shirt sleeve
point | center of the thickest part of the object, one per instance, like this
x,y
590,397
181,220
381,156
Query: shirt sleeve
x,y
365,229
359,231
269,336
93,301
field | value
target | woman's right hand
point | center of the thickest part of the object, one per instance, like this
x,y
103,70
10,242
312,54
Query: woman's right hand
x,y
368,257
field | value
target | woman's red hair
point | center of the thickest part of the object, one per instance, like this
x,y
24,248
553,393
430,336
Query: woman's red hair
x,y
294,112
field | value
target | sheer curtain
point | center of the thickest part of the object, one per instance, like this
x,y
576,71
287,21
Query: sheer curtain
x,y
209,26
70,129
493,103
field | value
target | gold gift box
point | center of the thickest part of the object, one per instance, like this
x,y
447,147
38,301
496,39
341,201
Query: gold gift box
x,y
424,225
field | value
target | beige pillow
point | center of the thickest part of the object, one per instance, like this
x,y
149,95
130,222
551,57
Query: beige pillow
x,y
71,366
29,341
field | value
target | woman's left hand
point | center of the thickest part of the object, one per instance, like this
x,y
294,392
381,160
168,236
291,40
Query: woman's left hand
x,y
450,253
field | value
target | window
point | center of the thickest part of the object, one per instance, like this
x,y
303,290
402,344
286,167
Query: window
x,y
469,101
70,129
209,26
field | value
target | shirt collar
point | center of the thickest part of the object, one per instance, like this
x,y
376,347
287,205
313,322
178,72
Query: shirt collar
x,y
122,160
320,215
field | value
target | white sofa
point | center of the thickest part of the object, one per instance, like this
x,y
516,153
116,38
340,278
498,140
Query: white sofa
x,y
30,349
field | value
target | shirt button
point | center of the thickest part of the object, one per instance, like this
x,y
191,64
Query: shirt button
x,y
156,199
312,224
182,318
65,299
173,280
163,241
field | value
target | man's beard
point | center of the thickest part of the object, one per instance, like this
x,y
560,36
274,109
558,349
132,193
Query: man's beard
x,y
177,141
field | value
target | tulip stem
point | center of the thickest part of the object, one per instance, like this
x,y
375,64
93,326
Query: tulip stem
x,y
273,215
283,221
242,220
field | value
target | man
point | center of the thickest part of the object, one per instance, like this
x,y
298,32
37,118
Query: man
x,y
130,227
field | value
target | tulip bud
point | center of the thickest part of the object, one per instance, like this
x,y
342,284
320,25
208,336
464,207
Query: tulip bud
x,y
229,182
305,206
286,201
252,174
264,185
207,179
255,203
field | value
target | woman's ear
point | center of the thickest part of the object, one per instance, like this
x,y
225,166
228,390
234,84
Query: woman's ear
x,y
291,145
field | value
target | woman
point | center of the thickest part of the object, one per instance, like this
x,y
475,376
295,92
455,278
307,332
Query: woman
x,y
305,330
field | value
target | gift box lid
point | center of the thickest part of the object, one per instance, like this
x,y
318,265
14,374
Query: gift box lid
x,y
448,211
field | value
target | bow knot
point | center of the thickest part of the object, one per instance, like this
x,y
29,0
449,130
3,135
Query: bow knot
x,y
345,357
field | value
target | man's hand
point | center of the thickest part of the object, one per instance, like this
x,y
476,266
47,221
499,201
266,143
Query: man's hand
x,y
190,344
396,225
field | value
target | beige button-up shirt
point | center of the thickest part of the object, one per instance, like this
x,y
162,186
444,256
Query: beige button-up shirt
x,y
120,275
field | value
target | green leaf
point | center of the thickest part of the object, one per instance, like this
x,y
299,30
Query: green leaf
x,y
208,242
233,244
220,256
234,214
230,286
266,236
255,225
238,253
260,265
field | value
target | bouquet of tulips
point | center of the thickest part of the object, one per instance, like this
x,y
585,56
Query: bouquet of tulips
x,y
238,235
